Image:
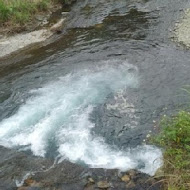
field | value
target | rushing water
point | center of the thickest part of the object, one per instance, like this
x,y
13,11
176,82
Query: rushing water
x,y
58,114
79,99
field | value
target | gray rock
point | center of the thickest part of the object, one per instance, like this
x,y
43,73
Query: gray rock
x,y
103,185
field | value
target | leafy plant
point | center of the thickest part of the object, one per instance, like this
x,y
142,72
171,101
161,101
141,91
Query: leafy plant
x,y
21,11
175,139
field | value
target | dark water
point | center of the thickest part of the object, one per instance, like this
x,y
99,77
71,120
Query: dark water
x,y
114,66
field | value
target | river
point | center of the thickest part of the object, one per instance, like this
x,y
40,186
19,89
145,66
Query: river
x,y
94,94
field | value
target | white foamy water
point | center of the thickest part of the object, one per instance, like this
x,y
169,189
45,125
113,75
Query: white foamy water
x,y
59,113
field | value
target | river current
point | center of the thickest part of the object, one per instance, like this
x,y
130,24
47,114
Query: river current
x,y
92,96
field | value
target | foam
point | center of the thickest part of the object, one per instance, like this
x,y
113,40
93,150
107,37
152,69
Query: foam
x,y
59,113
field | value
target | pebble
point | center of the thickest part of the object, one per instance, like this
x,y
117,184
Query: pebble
x,y
58,26
148,136
91,180
65,13
103,185
132,173
126,178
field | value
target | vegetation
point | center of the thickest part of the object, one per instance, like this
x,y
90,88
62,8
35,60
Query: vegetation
x,y
21,11
175,139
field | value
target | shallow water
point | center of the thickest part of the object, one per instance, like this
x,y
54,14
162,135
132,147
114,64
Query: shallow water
x,y
91,97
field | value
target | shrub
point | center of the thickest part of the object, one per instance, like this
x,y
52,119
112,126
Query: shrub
x,y
175,139
21,11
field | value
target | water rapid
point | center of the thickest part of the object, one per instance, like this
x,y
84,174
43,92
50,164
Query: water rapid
x,y
56,118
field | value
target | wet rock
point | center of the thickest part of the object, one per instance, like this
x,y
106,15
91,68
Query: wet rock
x,y
58,26
23,188
91,187
126,178
64,176
44,22
70,2
39,17
91,180
130,185
17,42
103,185
30,188
63,173
31,183
132,173
65,13
15,165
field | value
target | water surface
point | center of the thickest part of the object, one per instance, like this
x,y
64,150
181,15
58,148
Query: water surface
x,y
91,96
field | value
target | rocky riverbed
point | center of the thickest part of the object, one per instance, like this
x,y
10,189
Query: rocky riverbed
x,y
22,172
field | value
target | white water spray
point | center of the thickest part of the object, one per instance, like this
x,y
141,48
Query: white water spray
x,y
59,113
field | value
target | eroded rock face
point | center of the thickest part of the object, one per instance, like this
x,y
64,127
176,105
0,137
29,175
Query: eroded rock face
x,y
182,30
19,171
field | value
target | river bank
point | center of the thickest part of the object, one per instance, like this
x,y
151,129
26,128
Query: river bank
x,y
46,22
14,43
174,138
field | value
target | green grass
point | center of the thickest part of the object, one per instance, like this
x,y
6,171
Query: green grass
x,y
21,11
175,139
